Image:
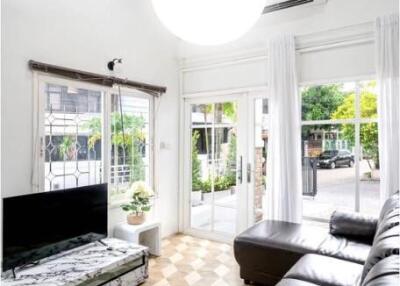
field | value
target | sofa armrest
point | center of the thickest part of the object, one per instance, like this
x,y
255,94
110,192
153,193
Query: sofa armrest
x,y
353,225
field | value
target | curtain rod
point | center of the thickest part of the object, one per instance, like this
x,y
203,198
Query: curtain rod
x,y
96,78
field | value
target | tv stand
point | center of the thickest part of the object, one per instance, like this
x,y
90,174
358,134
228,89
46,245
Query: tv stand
x,y
121,263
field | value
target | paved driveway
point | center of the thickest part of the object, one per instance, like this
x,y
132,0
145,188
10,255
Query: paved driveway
x,y
336,190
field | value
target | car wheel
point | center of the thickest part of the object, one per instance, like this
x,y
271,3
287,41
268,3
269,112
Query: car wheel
x,y
332,165
351,164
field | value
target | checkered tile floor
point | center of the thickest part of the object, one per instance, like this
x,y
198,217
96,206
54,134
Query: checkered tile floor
x,y
192,261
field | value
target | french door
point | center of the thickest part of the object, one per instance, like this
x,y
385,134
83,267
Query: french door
x,y
224,163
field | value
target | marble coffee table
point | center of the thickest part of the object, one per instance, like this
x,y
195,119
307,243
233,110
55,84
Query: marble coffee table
x,y
120,264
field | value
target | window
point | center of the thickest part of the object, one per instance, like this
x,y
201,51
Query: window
x,y
70,158
130,142
73,122
340,149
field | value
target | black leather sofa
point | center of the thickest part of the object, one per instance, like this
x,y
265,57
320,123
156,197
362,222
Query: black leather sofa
x,y
358,250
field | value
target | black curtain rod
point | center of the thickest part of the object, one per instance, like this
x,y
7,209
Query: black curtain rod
x,y
96,78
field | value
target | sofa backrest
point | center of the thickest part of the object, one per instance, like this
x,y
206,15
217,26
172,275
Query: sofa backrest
x,y
390,220
385,272
386,241
391,203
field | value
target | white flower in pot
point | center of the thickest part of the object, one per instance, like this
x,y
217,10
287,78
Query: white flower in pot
x,y
140,194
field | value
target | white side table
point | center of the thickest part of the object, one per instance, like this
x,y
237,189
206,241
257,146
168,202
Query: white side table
x,y
147,234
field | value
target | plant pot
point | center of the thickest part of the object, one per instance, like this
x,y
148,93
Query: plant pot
x,y
136,219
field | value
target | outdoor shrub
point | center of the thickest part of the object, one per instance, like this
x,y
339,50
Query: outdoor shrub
x,y
221,183
196,163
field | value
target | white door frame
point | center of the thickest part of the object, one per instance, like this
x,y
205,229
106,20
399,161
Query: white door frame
x,y
245,210
236,97
250,152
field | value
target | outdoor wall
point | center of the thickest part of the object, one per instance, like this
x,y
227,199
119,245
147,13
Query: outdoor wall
x,y
242,63
86,35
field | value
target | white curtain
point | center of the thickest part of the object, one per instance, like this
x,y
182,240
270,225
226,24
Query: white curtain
x,y
284,188
387,64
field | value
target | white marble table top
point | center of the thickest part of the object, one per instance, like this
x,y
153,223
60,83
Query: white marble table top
x,y
75,266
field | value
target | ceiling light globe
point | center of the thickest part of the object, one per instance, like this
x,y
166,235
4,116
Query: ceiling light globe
x,y
208,22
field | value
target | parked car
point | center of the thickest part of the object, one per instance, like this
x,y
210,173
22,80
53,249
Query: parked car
x,y
334,158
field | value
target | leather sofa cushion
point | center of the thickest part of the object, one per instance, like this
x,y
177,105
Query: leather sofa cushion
x,y
390,220
294,282
344,248
385,271
267,250
385,244
284,235
387,237
391,203
387,280
324,270
353,225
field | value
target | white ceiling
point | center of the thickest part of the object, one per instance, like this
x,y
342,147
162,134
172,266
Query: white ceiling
x,y
300,20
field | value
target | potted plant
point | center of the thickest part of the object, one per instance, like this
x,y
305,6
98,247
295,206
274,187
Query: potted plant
x,y
140,203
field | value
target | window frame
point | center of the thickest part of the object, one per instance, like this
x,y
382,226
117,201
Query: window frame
x,y
40,80
356,121
107,126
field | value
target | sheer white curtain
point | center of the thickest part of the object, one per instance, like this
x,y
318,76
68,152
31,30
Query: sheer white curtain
x,y
284,188
387,64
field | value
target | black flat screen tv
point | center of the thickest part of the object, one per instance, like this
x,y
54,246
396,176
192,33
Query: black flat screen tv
x,y
39,225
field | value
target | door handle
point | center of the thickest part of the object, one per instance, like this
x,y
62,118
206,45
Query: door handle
x,y
240,175
248,173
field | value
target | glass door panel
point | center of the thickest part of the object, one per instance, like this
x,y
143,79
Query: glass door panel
x,y
225,203
200,198
213,204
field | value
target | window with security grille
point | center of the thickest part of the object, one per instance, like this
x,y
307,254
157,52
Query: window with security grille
x,y
72,157
89,136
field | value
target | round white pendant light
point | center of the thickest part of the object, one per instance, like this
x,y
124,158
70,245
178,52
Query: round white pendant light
x,y
208,22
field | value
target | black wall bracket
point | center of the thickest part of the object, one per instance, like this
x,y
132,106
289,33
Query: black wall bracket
x,y
112,63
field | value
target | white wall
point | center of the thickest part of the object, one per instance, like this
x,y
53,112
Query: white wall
x,y
342,20
85,34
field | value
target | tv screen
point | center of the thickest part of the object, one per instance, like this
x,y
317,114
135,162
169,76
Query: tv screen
x,y
38,225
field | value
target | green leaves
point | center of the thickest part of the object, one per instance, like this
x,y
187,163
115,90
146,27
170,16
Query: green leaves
x,y
221,183
137,205
133,126
130,143
368,131
67,148
196,163
146,208
320,102
331,102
